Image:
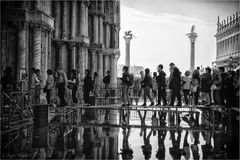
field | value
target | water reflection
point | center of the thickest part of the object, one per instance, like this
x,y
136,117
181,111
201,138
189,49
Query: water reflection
x,y
147,135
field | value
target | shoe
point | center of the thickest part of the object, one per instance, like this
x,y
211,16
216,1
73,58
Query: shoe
x,y
152,104
144,104
171,104
128,104
164,104
123,105
157,105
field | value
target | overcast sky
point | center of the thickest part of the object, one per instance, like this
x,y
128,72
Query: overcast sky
x,y
161,27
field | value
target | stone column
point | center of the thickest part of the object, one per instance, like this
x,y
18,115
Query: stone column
x,y
107,35
127,54
73,20
100,65
106,63
82,18
57,16
50,65
95,29
192,36
81,60
86,58
72,47
113,61
36,47
101,29
64,20
21,47
60,56
94,61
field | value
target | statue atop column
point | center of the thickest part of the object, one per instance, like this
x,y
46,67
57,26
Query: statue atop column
x,y
192,36
128,36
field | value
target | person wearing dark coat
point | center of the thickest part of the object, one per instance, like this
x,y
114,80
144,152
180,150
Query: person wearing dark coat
x,y
161,81
147,84
223,94
87,87
206,81
175,84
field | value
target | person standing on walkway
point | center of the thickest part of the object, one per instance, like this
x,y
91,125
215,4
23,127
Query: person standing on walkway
x,y
161,81
195,85
155,85
206,81
106,81
49,85
61,85
186,81
175,84
147,84
125,86
73,85
87,87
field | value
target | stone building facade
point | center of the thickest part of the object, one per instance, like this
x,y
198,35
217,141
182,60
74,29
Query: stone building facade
x,y
77,34
228,42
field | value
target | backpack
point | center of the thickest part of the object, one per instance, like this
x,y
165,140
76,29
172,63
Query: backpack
x,y
130,79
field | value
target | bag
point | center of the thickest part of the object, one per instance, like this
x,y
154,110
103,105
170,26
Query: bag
x,y
130,80
45,89
70,85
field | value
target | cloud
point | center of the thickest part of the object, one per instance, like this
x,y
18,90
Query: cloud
x,y
161,38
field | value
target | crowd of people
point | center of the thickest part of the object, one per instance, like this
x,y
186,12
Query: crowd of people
x,y
59,89
213,87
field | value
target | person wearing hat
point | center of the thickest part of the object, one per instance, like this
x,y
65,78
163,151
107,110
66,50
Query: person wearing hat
x,y
125,86
147,84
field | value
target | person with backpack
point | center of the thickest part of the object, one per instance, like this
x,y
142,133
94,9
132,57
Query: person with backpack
x,y
147,84
61,85
161,81
126,82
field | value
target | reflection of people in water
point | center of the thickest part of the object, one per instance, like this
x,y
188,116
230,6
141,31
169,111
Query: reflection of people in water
x,y
194,122
162,118
91,141
142,119
147,147
175,149
207,149
161,146
127,152
186,150
219,145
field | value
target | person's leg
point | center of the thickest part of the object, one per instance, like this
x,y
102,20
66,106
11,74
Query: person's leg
x,y
128,96
179,97
159,96
74,98
163,95
173,95
48,95
208,98
185,96
144,96
148,89
124,95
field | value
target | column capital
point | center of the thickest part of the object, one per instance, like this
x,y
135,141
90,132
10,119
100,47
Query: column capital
x,y
59,44
71,45
21,25
93,51
86,2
